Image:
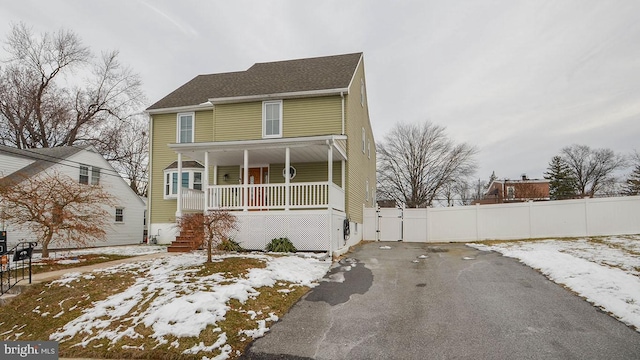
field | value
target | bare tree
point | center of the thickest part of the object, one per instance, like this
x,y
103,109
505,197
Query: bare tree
x,y
127,149
56,208
209,228
591,169
417,161
54,92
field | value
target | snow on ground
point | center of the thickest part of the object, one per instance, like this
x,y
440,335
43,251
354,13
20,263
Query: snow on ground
x,y
605,271
169,299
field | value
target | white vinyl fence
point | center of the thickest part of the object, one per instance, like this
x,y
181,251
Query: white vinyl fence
x,y
565,218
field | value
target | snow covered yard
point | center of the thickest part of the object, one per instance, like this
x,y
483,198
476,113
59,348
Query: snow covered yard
x,y
603,270
175,305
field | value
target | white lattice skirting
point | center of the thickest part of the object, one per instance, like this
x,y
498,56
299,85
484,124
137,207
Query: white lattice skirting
x,y
308,230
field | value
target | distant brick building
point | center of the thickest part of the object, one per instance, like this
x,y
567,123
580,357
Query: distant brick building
x,y
507,191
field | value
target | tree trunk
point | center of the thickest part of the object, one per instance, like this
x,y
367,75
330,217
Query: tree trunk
x,y
45,245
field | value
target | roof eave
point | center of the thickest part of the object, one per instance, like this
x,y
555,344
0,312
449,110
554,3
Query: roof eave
x,y
204,106
285,95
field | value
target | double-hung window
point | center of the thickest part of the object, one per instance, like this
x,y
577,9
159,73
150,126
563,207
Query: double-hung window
x,y
84,174
95,175
119,215
185,127
272,119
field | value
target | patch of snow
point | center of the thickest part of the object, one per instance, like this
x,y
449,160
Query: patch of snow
x,y
423,256
385,247
170,300
468,258
68,261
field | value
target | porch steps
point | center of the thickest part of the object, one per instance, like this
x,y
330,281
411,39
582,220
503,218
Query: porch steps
x,y
184,243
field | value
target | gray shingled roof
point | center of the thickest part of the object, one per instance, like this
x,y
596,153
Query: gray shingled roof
x,y
44,158
313,74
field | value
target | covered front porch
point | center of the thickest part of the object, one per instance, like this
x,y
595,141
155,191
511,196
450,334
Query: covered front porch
x,y
250,175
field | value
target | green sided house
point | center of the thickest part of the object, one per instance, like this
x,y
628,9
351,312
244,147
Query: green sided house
x,y
286,146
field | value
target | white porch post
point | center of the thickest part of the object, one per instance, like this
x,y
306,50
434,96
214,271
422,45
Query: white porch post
x,y
245,181
343,174
330,161
206,181
179,184
329,174
287,189
215,174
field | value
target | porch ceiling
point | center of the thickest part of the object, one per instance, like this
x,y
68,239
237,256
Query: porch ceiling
x,y
266,151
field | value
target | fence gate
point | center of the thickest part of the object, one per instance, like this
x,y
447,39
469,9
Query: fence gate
x,y
390,224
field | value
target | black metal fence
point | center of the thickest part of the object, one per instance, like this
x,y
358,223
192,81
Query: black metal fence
x,y
15,265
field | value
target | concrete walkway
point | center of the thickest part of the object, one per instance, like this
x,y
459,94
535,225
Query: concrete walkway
x,y
53,275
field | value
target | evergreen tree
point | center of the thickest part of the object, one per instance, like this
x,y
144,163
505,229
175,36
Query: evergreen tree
x,y
632,187
492,178
561,183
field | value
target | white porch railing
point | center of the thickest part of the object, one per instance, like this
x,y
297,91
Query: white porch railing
x,y
192,199
272,196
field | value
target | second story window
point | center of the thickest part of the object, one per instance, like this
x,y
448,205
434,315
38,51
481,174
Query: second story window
x,y
84,174
272,119
95,175
185,128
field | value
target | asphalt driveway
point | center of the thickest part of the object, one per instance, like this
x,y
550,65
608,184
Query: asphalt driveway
x,y
448,301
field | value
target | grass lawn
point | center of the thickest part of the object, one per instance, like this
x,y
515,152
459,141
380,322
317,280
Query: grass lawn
x,y
49,264
45,309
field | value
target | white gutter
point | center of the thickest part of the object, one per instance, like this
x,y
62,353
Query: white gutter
x,y
204,106
278,96
253,144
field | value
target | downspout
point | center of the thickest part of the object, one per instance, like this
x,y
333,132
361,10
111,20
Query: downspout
x,y
342,96
150,177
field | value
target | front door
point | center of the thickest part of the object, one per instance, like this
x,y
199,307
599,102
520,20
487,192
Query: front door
x,y
257,176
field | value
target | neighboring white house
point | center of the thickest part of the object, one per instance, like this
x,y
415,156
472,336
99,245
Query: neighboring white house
x,y
87,166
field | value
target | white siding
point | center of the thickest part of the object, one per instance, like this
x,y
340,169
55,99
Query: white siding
x,y
10,164
130,231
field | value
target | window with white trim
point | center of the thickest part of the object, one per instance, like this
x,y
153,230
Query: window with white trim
x,y
364,139
191,179
369,149
185,127
119,215
197,181
272,119
84,174
95,175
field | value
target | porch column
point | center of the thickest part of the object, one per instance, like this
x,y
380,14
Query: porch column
x,y
330,161
329,174
206,181
343,174
215,174
179,184
245,181
287,182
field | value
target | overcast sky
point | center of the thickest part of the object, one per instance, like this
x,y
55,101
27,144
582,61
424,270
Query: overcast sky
x,y
517,79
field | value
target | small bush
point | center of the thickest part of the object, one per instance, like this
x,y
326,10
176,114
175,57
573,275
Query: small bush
x,y
281,245
230,245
